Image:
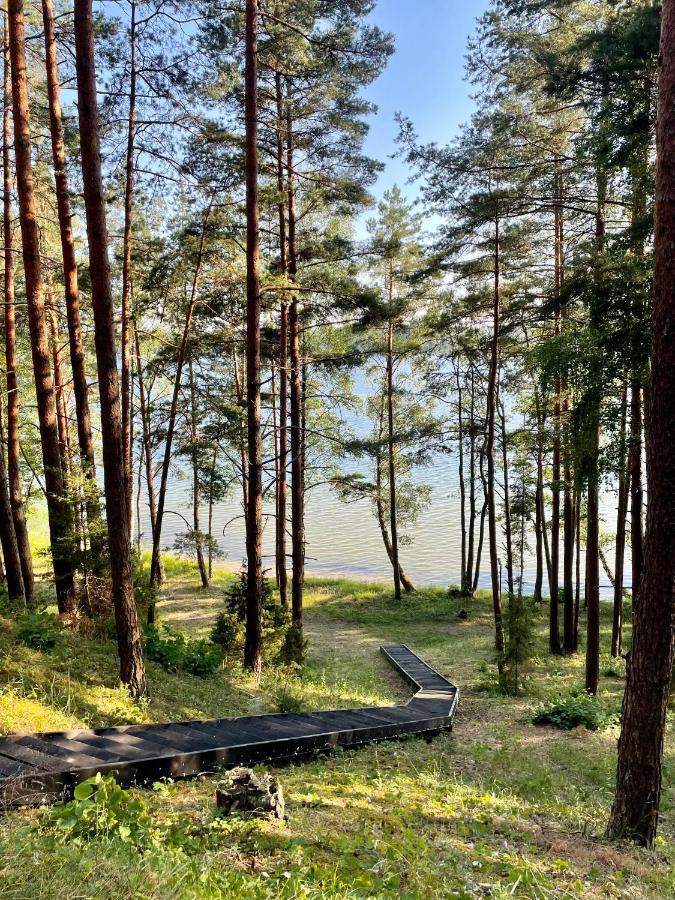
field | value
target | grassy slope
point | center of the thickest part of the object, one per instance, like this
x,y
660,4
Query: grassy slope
x,y
500,809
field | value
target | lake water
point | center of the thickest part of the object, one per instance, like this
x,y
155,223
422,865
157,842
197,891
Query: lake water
x,y
344,538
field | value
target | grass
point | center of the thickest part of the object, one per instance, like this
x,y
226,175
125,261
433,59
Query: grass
x,y
501,808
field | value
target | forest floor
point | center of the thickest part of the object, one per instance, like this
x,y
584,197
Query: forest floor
x,y
500,808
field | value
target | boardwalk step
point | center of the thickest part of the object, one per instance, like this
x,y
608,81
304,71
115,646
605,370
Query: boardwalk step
x,y
37,767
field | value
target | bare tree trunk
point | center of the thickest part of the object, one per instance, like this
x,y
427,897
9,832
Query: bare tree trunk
x,y
253,644
13,404
490,454
58,507
481,527
462,485
577,575
408,586
211,500
203,573
173,410
147,448
11,573
282,489
132,669
127,409
622,508
391,450
638,789
636,492
467,576
297,475
77,360
592,511
508,531
239,392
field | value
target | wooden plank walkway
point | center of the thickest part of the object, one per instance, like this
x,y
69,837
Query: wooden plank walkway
x,y
42,767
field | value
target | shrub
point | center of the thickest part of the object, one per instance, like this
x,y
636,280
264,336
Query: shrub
x,y
227,632
276,622
578,708
286,700
201,658
175,652
101,808
613,666
39,630
519,641
294,647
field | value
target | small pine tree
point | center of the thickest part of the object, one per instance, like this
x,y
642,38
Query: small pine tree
x,y
519,641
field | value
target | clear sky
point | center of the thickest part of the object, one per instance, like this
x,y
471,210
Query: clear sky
x,y
425,77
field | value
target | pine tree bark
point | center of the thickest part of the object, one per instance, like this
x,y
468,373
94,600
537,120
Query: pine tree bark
x,y
462,485
201,564
13,400
127,407
58,507
638,789
132,669
297,475
10,561
508,531
490,454
391,458
77,359
622,509
282,486
253,640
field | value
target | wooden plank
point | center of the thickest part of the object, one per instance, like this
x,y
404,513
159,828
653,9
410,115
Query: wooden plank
x,y
143,753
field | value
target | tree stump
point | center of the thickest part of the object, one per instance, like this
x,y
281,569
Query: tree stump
x,y
251,794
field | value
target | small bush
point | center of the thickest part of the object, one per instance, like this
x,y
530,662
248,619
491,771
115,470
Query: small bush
x,y
40,631
294,648
278,644
175,652
286,700
578,708
613,666
101,808
519,642
227,632
201,658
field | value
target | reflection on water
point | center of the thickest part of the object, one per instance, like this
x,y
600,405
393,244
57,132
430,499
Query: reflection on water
x,y
344,539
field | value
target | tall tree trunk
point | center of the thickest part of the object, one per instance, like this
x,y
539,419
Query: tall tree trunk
x,y
569,639
508,531
13,403
467,576
253,644
462,485
592,511
391,451
483,514
212,480
297,475
127,408
554,609
282,489
636,491
11,573
203,573
132,669
77,360
143,400
490,454
173,410
577,574
408,586
636,804
622,508
243,455
58,507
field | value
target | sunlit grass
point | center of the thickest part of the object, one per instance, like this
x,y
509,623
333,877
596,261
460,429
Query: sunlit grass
x,y
500,808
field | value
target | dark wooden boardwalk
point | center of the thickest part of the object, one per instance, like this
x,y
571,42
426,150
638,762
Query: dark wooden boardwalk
x,y
39,767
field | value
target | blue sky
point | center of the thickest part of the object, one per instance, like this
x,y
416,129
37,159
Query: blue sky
x,y
425,77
